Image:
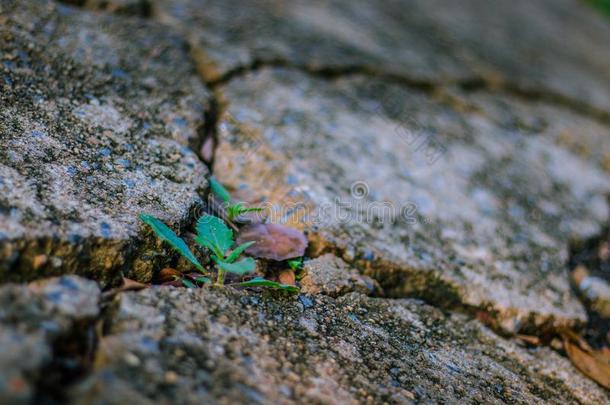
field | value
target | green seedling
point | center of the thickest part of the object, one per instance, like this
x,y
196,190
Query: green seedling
x,y
233,210
296,264
237,209
215,235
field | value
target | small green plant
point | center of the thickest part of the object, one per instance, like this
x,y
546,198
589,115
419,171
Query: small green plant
x,y
215,235
296,264
233,210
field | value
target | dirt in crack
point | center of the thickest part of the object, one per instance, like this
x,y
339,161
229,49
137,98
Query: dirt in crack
x,y
138,8
207,140
589,270
72,360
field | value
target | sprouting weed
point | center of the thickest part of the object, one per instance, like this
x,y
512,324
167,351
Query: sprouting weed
x,y
237,209
233,210
296,264
215,235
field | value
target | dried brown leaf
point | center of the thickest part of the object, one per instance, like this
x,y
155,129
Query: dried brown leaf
x,y
273,241
594,364
167,275
531,340
132,285
287,277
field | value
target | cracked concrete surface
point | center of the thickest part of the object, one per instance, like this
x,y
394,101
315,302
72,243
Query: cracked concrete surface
x,y
492,214
498,156
97,115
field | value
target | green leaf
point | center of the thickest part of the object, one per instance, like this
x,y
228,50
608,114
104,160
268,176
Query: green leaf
x,y
213,232
188,283
261,282
234,210
296,264
241,267
237,209
207,244
203,280
219,190
251,209
166,234
238,251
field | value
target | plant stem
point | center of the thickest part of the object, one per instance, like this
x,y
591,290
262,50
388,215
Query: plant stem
x,y
221,277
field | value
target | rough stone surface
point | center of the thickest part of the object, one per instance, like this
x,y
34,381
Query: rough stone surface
x,y
452,151
95,116
597,294
557,46
431,195
331,276
32,320
167,345
553,46
319,35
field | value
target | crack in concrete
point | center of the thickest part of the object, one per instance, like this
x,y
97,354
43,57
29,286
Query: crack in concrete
x,y
468,85
207,141
137,8
72,360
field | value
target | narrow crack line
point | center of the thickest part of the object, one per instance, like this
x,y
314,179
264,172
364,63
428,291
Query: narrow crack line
x,y
324,72
468,85
72,358
147,9
560,100
140,8
207,140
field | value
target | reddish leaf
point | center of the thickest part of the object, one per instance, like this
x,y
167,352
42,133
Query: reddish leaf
x,y
593,364
273,241
531,340
167,275
132,285
286,277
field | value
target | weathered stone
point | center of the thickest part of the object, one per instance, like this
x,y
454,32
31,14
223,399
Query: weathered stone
x,y
317,35
430,198
466,195
595,291
96,112
33,319
221,346
554,47
330,275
